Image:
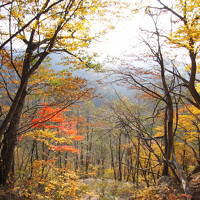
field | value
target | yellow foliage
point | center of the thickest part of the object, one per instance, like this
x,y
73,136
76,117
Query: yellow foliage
x,y
189,30
59,184
161,192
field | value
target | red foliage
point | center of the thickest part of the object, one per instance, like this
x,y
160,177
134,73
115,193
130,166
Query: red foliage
x,y
20,138
78,137
54,118
64,148
48,114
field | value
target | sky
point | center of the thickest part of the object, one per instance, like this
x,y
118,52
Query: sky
x,y
126,31
118,40
125,39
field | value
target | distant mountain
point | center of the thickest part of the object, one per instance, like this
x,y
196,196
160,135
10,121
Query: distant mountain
x,y
103,83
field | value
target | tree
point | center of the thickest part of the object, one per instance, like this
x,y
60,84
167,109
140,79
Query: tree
x,y
54,130
43,27
160,78
187,36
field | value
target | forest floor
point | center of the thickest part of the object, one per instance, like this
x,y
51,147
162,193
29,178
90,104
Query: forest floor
x,y
107,189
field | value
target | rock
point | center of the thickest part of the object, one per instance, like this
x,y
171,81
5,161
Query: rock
x,y
194,186
167,181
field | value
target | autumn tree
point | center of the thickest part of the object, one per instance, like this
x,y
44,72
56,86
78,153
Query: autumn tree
x,y
186,36
160,77
54,131
43,27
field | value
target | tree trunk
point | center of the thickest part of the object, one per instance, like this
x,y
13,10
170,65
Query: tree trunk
x,y
9,142
112,158
119,159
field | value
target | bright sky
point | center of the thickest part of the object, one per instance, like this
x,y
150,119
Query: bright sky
x,y
118,40
126,34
